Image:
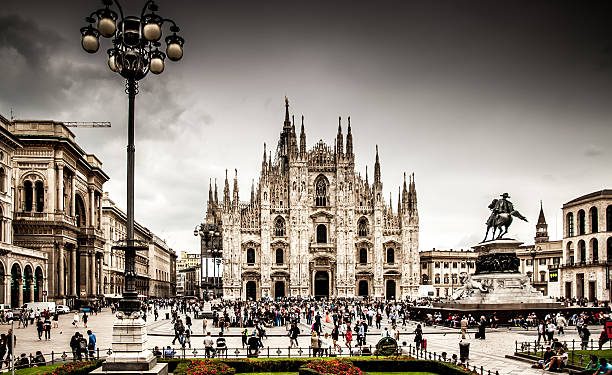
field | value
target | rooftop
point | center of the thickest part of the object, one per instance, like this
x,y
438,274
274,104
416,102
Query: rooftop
x,y
600,193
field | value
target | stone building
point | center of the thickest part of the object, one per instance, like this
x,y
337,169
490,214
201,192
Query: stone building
x,y
57,191
191,281
315,227
443,269
546,262
155,267
587,246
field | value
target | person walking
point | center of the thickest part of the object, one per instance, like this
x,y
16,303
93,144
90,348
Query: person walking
x,y
244,335
2,348
418,337
585,335
208,345
561,323
91,344
75,320
74,345
294,332
85,318
39,328
47,328
314,343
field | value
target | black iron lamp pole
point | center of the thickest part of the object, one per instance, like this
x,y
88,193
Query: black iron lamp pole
x,y
135,53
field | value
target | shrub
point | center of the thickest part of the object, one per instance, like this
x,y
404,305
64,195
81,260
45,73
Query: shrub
x,y
75,368
208,367
333,367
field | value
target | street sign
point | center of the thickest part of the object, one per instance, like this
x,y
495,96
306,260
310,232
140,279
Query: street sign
x,y
609,329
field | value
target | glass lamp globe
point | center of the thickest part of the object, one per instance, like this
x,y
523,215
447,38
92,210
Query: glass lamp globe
x,y
90,43
106,26
174,51
152,32
157,65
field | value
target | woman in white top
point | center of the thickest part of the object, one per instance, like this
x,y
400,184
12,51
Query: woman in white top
x,y
75,320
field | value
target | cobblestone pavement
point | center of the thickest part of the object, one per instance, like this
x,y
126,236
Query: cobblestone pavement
x,y
488,353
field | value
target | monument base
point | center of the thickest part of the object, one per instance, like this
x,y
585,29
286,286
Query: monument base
x,y
158,369
129,351
497,282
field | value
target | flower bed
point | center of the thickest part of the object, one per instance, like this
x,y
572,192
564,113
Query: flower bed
x,y
333,367
208,367
75,368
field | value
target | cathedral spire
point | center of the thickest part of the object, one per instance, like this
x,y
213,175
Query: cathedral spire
x,y
287,122
252,191
339,138
216,195
399,200
235,197
210,192
226,192
302,138
390,204
377,168
367,176
264,162
349,140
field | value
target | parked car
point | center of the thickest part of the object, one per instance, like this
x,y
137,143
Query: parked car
x,y
40,306
62,309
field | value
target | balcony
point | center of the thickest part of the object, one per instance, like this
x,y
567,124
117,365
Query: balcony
x,y
592,263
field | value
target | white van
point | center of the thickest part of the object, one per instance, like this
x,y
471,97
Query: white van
x,y
40,306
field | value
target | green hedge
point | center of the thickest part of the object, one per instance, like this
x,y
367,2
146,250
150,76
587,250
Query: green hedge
x,y
367,364
67,368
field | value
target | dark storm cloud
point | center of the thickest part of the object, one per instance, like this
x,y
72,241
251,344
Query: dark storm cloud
x,y
475,97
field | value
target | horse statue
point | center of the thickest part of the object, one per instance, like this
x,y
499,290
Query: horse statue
x,y
501,217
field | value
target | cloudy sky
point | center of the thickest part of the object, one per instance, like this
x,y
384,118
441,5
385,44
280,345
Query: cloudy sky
x,y
475,98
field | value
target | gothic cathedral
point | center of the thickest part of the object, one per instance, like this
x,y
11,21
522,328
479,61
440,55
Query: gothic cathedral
x,y
314,227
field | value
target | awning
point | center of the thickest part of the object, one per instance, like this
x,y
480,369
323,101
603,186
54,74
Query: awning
x,y
110,295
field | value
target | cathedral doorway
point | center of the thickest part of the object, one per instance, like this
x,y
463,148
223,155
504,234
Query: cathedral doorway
x,y
390,293
321,287
363,288
279,289
251,291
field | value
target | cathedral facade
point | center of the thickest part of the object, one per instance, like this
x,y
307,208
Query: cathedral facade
x,y
314,227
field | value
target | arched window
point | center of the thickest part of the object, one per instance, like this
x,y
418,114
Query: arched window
x,y
437,279
362,227
80,211
250,255
569,253
594,223
279,256
40,196
570,224
363,256
2,180
609,218
321,191
582,251
390,256
321,233
581,223
595,250
279,226
29,195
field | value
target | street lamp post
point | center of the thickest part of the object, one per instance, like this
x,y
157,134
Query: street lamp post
x,y
533,254
211,246
135,52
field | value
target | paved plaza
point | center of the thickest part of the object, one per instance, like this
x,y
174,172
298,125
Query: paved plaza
x,y
488,353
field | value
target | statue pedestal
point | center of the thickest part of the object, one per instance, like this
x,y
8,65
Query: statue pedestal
x,y
207,310
497,281
130,353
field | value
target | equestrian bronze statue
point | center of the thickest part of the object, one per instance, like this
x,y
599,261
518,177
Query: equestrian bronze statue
x,y
502,211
